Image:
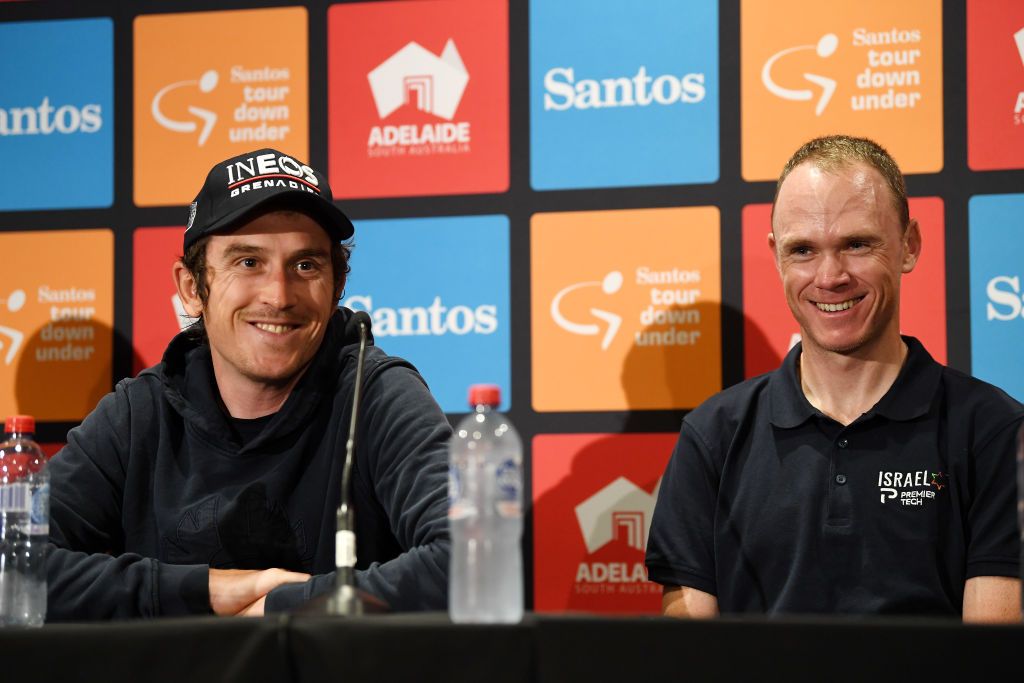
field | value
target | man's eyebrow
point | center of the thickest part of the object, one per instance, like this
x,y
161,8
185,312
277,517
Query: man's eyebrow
x,y
311,252
241,249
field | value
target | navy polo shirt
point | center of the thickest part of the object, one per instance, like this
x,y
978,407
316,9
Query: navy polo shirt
x,y
774,507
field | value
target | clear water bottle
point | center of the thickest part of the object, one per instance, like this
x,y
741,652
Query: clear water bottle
x,y
24,525
485,495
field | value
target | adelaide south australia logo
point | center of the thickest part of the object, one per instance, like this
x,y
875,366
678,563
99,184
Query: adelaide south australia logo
x,y
434,84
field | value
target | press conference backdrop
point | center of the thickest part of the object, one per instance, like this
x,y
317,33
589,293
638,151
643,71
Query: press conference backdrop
x,y
568,198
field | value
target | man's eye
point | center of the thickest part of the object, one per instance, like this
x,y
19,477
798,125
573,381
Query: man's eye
x,y
306,266
801,251
249,262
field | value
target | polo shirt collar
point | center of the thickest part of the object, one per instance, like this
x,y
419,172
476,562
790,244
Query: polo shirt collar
x,y
790,408
909,397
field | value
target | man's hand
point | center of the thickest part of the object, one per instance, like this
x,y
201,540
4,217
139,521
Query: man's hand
x,y
243,592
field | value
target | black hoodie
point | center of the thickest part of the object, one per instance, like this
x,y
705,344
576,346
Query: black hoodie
x,y
155,487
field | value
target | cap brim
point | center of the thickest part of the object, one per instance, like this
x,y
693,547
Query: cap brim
x,y
332,219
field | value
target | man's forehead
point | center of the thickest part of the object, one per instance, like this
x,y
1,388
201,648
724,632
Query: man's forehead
x,y
813,192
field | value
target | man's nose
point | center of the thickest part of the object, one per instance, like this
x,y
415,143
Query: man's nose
x,y
278,288
832,271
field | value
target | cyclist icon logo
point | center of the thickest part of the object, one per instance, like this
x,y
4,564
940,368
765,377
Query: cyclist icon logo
x,y
610,285
206,83
825,47
11,338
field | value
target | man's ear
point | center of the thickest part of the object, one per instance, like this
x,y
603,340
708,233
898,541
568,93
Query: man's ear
x,y
911,246
775,254
188,289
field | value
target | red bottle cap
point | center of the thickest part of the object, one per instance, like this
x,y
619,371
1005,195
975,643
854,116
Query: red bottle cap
x,y
20,424
485,395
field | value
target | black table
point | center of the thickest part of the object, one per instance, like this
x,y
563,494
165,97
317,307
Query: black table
x,y
427,647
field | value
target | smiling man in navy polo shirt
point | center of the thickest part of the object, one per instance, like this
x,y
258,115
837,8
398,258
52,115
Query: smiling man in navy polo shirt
x,y
861,476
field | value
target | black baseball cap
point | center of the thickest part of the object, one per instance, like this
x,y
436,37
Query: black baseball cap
x,y
244,186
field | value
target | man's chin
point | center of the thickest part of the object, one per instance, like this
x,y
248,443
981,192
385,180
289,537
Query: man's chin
x,y
843,347
275,375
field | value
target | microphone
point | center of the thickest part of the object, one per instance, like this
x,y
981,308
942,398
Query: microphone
x,y
346,600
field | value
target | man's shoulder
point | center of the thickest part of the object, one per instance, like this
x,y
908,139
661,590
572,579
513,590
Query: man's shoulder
x,y
722,413
968,395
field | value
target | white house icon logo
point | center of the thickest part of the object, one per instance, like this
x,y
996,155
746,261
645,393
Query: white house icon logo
x,y
416,76
621,511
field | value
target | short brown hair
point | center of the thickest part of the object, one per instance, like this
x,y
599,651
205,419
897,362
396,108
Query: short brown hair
x,y
194,261
840,151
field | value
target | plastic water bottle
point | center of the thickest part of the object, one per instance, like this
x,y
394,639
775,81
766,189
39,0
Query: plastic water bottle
x,y
485,493
24,525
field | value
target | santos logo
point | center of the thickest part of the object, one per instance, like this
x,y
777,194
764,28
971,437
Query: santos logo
x,y
1005,300
433,320
621,511
563,91
46,119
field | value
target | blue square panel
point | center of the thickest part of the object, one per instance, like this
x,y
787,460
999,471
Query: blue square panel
x,y
623,93
437,290
997,290
56,114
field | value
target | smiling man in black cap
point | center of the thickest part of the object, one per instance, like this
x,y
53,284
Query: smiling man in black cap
x,y
209,483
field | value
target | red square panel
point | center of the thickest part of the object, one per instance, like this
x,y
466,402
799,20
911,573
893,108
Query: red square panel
x,y
995,84
156,312
593,497
418,98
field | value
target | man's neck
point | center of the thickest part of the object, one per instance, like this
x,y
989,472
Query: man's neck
x,y
247,399
844,387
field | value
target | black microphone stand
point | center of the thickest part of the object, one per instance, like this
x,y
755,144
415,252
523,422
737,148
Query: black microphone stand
x,y
346,600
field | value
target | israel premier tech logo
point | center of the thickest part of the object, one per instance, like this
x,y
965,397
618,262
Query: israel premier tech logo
x,y
996,229
437,291
56,114
416,77
642,112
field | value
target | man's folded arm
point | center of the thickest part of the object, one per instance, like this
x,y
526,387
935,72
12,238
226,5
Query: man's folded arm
x,y
404,439
680,548
687,602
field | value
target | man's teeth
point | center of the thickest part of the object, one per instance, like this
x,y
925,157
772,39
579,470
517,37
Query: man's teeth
x,y
276,329
832,308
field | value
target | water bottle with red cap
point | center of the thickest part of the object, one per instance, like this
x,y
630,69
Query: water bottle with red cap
x,y
24,524
485,496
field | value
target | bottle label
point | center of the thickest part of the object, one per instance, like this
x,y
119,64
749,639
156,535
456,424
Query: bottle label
x,y
39,522
510,488
458,507
15,498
